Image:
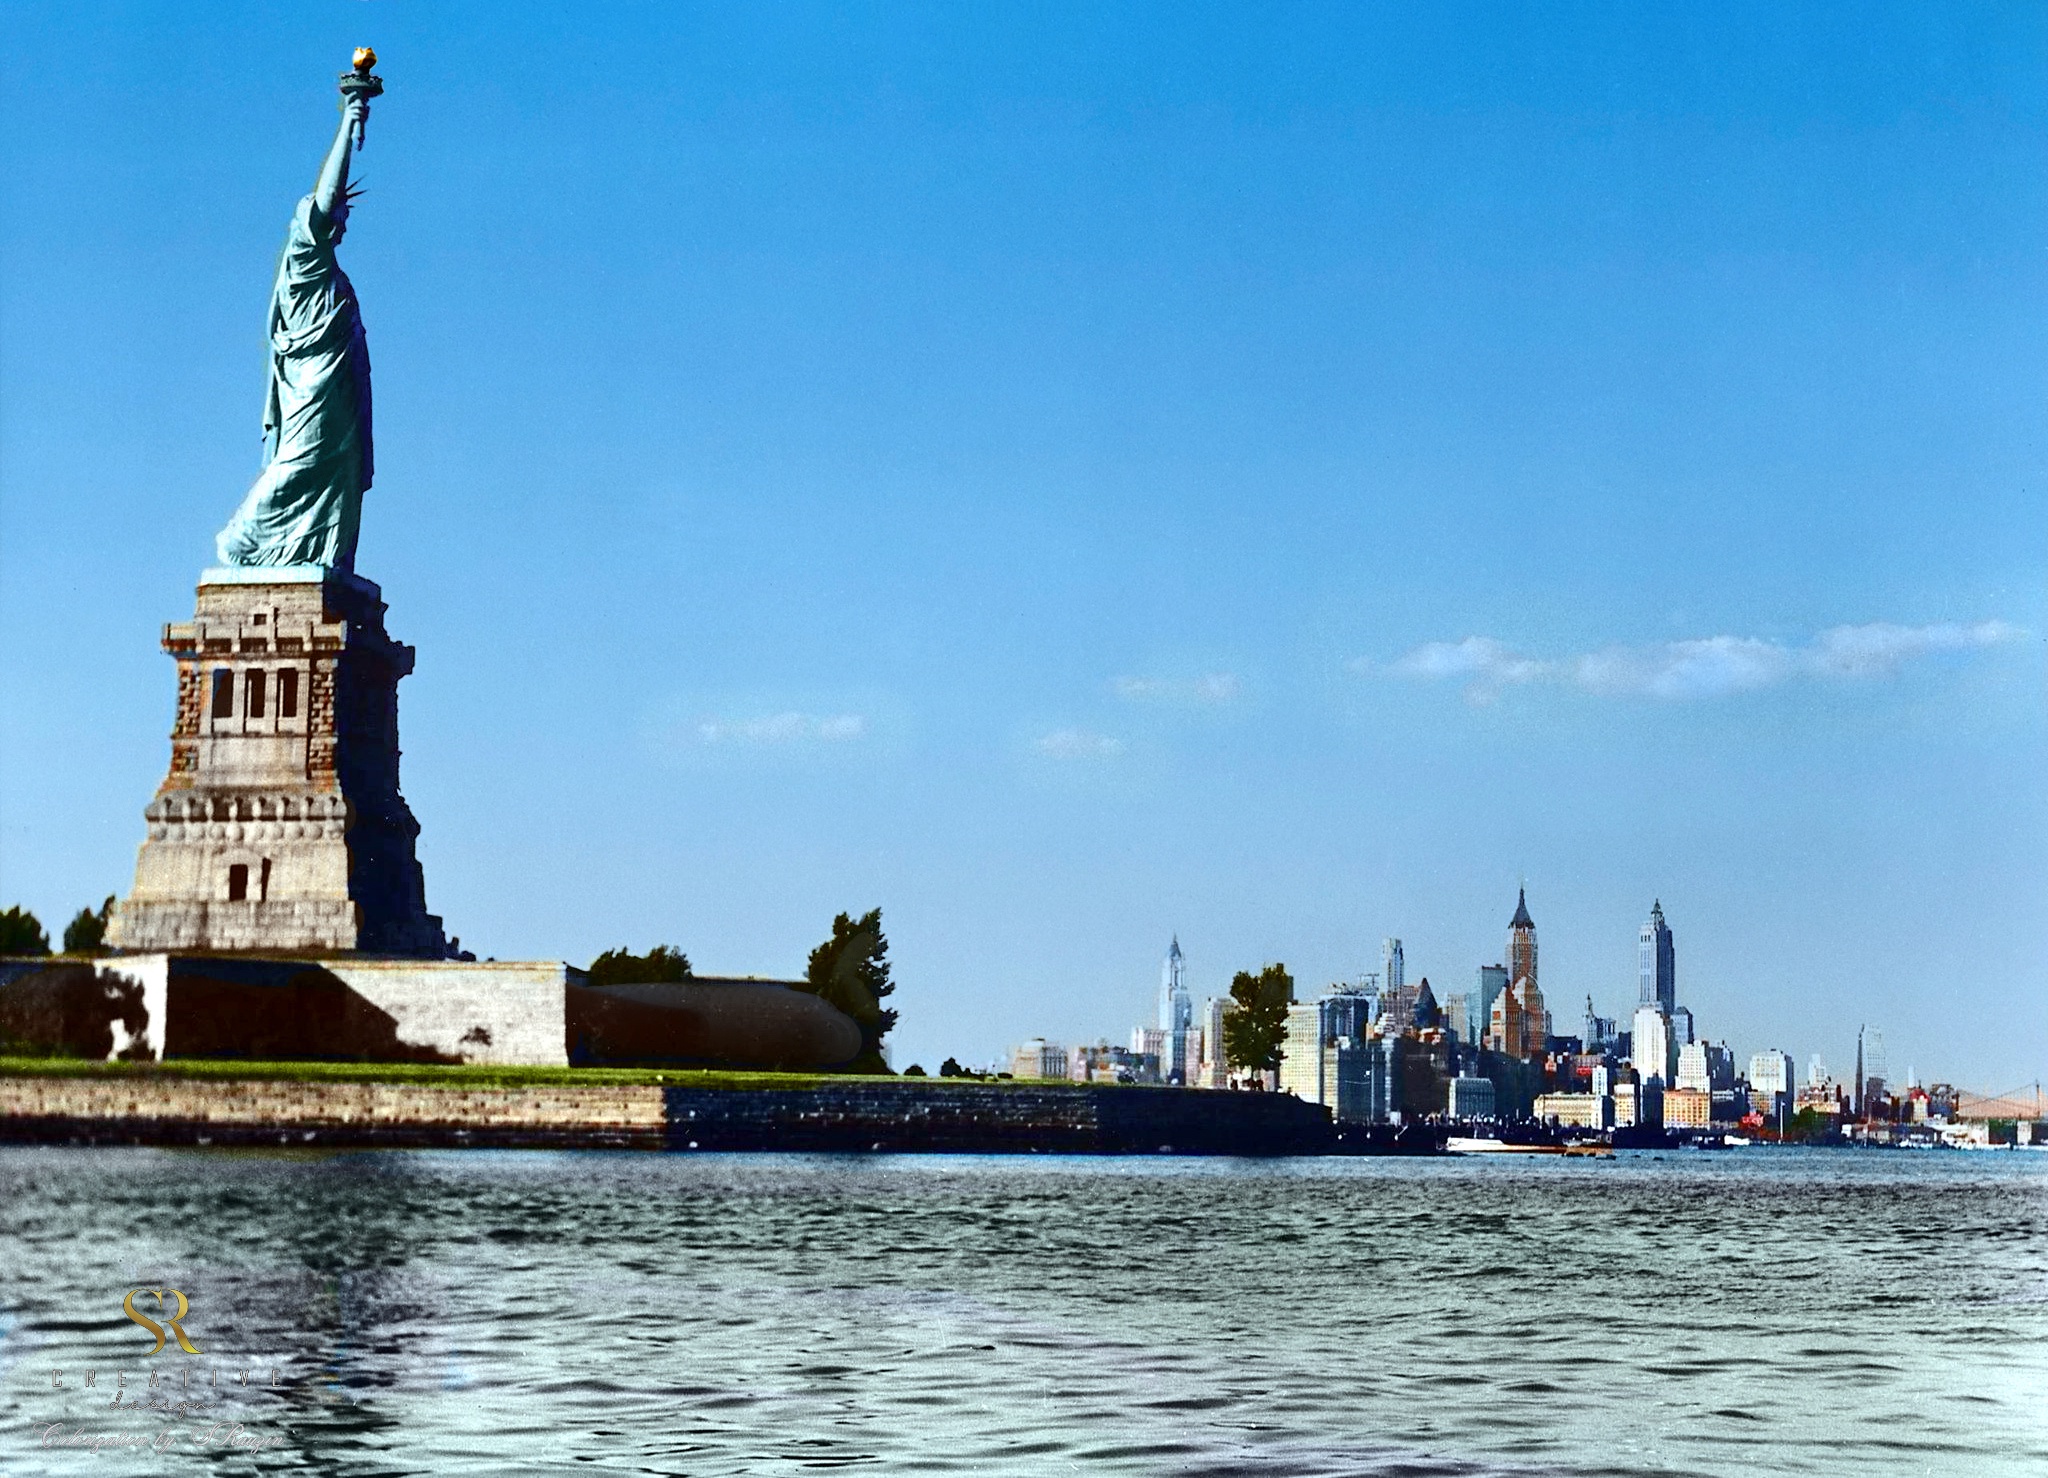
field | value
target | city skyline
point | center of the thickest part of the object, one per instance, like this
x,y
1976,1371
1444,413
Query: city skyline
x,y
1684,1052
1071,479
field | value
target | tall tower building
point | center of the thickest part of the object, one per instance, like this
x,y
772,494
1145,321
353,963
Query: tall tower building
x,y
1657,967
1176,1017
1522,942
1652,1052
1395,974
1493,984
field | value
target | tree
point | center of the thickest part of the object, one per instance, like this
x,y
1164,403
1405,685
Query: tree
x,y
1255,1021
659,966
87,933
21,933
851,971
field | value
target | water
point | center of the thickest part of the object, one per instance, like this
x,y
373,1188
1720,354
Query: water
x,y
465,1312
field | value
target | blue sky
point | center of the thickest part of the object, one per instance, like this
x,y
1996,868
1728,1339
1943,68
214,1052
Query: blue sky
x,y
1071,475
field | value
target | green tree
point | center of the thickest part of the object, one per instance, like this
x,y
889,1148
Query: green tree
x,y
1255,1021
659,966
851,971
87,933
21,933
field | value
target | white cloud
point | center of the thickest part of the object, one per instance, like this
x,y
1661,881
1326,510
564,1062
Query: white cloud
x,y
782,728
1705,667
1212,687
1480,658
1880,649
1078,744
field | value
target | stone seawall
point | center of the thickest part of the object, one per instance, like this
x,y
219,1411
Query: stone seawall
x,y
834,1116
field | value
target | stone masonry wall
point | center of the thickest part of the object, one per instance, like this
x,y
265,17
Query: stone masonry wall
x,y
179,1111
840,1115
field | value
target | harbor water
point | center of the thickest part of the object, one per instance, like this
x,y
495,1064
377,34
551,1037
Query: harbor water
x,y
1748,1312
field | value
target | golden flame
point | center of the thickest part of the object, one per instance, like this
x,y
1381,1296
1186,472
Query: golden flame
x,y
365,58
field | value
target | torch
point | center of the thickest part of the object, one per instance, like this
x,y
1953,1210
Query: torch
x,y
359,83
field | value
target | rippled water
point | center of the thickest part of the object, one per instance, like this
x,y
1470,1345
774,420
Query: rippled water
x,y
469,1312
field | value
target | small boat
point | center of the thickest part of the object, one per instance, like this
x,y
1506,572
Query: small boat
x,y
1459,1145
1590,1149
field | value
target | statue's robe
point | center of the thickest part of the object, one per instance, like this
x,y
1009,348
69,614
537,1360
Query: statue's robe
x,y
307,504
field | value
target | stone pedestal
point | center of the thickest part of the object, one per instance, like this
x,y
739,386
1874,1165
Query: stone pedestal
x,y
280,827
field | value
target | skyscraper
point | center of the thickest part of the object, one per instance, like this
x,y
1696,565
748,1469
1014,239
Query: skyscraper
x,y
1493,982
1869,1086
1518,1022
1507,1030
1176,1016
1657,968
1772,1072
1597,1031
1522,942
1652,1052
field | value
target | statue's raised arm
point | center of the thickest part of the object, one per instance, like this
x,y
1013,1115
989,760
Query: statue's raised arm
x,y
306,505
331,192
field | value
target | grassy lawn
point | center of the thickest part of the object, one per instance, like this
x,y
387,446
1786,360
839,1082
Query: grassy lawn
x,y
430,1075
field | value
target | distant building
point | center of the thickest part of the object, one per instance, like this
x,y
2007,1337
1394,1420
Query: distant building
x,y
1628,1104
1822,1099
1872,1089
1423,1012
1493,981
1507,1030
1214,1071
1347,1079
1380,1087
1707,1066
1325,1049
1102,1063
1535,1017
1681,1025
1657,964
1301,1061
1522,941
1148,1053
1688,1108
1176,1016
1519,1027
1654,1054
1576,1110
1471,1098
1597,1033
1347,1012
1394,969
1458,1016
1038,1058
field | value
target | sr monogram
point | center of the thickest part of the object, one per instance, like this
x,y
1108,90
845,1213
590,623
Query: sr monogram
x,y
174,1322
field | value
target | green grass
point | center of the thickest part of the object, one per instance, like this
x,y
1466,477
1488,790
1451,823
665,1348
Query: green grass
x,y
431,1075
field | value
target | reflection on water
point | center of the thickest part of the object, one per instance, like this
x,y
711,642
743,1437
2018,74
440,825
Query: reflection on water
x,y
470,1312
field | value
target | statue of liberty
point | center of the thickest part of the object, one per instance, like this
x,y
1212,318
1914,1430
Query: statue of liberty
x,y
307,503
